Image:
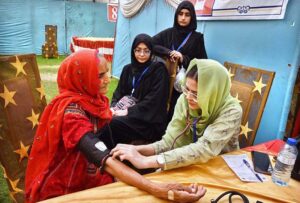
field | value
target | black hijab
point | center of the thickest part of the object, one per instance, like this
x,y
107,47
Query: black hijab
x,y
193,24
147,40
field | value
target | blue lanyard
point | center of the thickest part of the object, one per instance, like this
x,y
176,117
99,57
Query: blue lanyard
x,y
136,83
183,42
195,137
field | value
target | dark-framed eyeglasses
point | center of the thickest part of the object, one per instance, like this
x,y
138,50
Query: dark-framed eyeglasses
x,y
144,51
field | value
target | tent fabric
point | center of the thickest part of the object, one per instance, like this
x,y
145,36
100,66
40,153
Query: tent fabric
x,y
22,23
174,3
131,7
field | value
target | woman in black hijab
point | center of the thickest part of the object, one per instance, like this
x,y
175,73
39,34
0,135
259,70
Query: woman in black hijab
x,y
180,42
139,102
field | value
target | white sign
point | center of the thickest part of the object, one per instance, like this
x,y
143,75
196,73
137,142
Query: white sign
x,y
239,9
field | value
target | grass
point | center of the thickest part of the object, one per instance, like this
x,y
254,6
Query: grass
x,y
48,70
4,193
51,61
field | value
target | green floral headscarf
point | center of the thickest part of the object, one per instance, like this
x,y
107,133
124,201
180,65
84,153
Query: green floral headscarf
x,y
213,89
213,96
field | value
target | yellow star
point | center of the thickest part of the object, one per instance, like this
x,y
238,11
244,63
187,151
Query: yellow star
x,y
11,194
34,118
4,171
19,66
230,74
41,90
14,185
258,85
245,130
8,96
237,98
22,151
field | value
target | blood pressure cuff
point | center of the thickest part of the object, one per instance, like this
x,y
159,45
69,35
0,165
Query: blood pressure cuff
x,y
94,149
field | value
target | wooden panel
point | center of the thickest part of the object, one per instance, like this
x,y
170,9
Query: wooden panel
x,y
49,49
22,101
251,86
172,69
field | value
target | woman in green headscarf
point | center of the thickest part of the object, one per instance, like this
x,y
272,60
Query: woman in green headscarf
x,y
206,122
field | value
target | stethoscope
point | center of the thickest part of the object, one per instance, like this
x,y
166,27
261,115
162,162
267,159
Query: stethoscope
x,y
189,122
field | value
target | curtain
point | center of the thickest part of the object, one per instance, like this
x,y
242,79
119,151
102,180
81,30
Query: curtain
x,y
131,7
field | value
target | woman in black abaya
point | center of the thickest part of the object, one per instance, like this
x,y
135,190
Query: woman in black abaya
x,y
180,42
139,102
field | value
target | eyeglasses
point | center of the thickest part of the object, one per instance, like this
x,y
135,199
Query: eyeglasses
x,y
144,51
187,92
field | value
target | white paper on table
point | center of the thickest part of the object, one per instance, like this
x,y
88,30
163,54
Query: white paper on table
x,y
235,162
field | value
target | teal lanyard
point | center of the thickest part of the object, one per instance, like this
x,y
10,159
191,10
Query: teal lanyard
x,y
195,137
135,83
183,42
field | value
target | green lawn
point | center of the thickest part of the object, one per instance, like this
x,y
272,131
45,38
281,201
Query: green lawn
x,y
51,61
4,195
48,70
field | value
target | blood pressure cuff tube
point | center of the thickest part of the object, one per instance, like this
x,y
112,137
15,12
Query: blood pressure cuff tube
x,y
94,150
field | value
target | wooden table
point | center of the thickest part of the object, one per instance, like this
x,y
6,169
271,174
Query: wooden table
x,y
215,175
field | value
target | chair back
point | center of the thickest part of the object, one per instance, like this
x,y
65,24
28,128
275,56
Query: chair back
x,y
22,101
172,69
251,86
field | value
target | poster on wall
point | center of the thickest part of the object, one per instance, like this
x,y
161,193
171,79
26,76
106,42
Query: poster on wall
x,y
112,12
239,9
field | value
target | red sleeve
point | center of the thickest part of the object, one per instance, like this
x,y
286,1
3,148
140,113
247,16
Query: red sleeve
x,y
74,126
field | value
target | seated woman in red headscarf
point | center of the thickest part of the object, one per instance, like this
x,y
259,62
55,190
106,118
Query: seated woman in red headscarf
x,y
67,155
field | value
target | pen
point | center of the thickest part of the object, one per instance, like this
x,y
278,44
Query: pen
x,y
248,165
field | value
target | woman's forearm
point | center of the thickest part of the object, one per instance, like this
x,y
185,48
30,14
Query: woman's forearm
x,y
145,150
171,191
131,177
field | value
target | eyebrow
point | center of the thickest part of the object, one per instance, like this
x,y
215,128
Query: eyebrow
x,y
185,12
144,49
102,73
194,92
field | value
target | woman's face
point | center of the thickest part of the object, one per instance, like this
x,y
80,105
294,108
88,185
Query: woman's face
x,y
104,76
184,17
142,53
190,92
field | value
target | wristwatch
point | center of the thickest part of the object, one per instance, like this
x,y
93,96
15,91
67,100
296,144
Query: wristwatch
x,y
161,161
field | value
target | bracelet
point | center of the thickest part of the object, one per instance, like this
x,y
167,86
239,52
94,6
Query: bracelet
x,y
171,195
103,162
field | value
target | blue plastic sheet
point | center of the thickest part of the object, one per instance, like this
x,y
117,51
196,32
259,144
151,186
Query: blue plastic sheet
x,y
22,23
